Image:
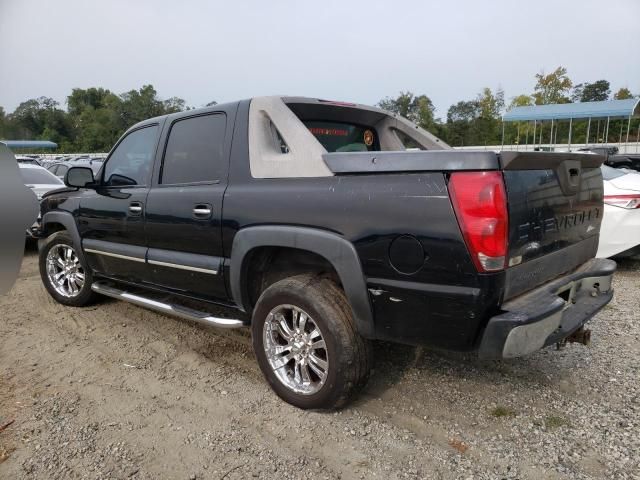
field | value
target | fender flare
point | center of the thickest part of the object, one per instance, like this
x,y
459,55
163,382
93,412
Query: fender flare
x,y
67,220
340,253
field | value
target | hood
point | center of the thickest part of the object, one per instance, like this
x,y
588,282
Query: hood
x,y
630,181
40,189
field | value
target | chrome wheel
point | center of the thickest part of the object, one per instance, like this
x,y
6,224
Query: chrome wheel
x,y
295,349
64,271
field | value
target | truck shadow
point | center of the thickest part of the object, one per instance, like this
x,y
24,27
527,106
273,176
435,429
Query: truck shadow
x,y
399,369
629,264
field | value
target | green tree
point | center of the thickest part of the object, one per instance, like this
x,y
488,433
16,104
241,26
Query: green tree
x,y
418,109
597,91
521,101
491,104
476,122
591,92
4,124
552,88
81,99
94,114
174,104
40,118
461,126
622,94
513,131
138,105
487,124
29,115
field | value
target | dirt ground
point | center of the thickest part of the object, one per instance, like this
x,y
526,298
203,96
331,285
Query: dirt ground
x,y
116,391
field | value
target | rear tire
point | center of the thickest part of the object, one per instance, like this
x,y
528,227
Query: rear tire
x,y
307,345
65,275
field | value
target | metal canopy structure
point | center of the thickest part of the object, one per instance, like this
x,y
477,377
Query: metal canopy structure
x,y
604,110
566,111
29,144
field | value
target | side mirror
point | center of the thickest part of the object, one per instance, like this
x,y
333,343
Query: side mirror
x,y
79,177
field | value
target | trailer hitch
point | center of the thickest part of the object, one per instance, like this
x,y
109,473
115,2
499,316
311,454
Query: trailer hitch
x,y
582,335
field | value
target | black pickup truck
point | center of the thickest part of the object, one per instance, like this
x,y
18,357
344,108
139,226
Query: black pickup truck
x,y
326,225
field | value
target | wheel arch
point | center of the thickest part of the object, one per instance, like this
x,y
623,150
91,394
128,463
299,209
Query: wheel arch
x,y
338,252
56,221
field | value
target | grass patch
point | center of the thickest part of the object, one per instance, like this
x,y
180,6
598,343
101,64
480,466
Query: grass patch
x,y
554,421
501,411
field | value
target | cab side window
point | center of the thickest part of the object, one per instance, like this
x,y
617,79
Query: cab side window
x,y
195,151
132,160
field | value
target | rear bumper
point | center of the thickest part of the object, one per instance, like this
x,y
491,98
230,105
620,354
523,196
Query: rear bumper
x,y
549,313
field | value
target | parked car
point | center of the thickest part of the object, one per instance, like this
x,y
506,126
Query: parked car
x,y
23,159
616,160
600,149
46,162
95,164
60,169
624,160
620,230
311,221
41,181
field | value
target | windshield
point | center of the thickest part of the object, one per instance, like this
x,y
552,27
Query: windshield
x,y
343,137
609,173
35,176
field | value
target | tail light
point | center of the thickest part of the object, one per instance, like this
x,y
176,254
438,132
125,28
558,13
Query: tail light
x,y
624,201
480,202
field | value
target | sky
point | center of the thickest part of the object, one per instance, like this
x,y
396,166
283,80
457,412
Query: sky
x,y
360,51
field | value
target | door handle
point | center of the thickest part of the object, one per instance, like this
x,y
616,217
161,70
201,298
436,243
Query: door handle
x,y
135,208
202,210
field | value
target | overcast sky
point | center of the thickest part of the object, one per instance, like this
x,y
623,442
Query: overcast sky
x,y
344,50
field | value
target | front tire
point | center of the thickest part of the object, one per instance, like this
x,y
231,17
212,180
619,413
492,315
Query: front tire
x,y
65,276
306,343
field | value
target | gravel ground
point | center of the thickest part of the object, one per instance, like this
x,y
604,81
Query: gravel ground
x,y
116,391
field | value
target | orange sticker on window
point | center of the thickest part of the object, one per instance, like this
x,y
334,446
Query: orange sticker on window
x,y
368,138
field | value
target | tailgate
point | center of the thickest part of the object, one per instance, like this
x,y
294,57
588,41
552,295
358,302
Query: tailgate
x,y
555,211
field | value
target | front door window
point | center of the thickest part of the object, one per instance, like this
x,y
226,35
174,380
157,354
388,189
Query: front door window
x,y
131,162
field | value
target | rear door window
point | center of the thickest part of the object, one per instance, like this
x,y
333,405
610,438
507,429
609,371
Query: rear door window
x,y
195,151
343,137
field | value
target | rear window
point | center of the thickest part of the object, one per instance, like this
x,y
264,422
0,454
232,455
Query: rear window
x,y
609,173
343,137
35,176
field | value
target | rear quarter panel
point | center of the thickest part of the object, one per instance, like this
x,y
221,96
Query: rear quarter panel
x,y
371,211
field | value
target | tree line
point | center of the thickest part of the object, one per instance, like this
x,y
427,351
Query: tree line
x,y
478,121
95,118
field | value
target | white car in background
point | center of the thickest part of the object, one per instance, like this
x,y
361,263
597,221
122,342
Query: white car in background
x,y
41,181
620,230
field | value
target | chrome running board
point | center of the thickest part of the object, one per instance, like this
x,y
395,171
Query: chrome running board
x,y
170,309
